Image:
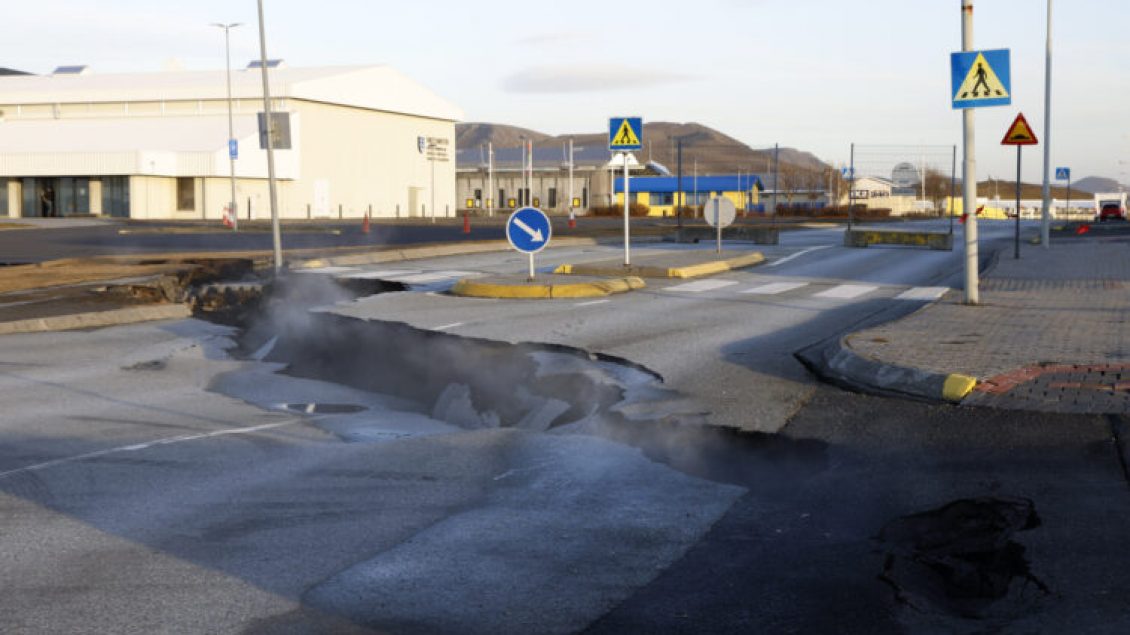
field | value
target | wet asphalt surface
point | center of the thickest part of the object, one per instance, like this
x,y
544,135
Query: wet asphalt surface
x,y
799,554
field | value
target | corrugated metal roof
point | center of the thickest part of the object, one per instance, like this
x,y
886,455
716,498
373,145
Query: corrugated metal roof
x,y
371,87
721,183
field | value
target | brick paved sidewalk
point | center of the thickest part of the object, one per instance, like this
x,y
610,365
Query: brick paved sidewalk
x,y
1052,332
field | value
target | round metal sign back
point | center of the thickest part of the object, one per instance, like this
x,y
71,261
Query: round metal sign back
x,y
719,211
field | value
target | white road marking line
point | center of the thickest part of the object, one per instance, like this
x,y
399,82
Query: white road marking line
x,y
142,446
420,278
774,288
448,326
326,270
928,294
698,286
381,273
846,291
797,255
592,302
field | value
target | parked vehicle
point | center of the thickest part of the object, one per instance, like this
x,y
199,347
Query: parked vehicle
x,y
1110,206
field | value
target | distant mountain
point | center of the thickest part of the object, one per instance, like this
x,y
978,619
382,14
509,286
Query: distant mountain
x,y
1006,190
1096,184
714,152
469,135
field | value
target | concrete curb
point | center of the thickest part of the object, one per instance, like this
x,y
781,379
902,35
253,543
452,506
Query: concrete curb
x,y
98,319
431,251
690,271
472,289
836,362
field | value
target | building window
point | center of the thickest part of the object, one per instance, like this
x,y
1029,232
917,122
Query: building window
x,y
186,194
661,198
585,198
552,198
115,196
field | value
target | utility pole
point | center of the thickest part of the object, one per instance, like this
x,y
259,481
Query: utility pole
x,y
570,177
969,172
679,185
1045,217
231,135
276,235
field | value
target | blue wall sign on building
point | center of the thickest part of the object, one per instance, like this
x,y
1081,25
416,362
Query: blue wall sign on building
x,y
981,78
625,133
233,148
528,230
1063,174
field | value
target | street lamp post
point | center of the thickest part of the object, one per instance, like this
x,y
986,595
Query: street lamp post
x,y
231,135
268,124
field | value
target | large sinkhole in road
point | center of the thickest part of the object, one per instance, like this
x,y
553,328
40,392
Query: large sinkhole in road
x,y
475,383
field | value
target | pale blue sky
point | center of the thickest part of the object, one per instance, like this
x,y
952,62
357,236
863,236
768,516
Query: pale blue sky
x,y
811,74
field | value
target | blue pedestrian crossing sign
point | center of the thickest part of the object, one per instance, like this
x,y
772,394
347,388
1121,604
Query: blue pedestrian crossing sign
x,y
625,133
981,78
1063,174
528,230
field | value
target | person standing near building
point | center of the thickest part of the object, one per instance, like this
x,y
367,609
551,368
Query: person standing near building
x,y
49,199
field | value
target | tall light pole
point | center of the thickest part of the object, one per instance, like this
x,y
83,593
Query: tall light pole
x,y
1045,216
269,124
231,135
969,173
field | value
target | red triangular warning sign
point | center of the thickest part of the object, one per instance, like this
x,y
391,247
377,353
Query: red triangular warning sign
x,y
1019,133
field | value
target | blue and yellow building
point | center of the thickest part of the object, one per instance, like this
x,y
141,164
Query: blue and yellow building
x,y
661,193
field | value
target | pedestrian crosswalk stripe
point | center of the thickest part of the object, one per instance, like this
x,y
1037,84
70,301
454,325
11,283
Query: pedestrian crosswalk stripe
x,y
846,291
774,288
698,286
922,293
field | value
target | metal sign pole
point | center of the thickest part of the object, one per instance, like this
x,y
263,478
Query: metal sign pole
x,y
1016,241
718,227
531,267
627,238
1068,208
969,172
1045,216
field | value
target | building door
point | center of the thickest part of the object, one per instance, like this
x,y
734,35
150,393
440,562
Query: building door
x,y
39,197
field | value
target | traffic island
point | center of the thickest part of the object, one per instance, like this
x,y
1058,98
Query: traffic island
x,y
679,264
942,241
510,287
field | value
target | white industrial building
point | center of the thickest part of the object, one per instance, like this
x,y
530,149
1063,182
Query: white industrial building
x,y
155,145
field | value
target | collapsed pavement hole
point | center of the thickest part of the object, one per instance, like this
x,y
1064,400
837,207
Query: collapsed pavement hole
x,y
476,383
960,559
325,408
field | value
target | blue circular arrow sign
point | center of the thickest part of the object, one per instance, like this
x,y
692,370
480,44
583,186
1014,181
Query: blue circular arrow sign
x,y
528,230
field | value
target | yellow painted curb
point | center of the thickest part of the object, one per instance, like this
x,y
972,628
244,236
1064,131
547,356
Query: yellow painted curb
x,y
691,271
956,387
601,288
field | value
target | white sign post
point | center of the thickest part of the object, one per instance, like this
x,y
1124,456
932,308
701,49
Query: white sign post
x,y
624,134
719,212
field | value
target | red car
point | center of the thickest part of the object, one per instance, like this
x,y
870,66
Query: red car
x,y
1112,211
